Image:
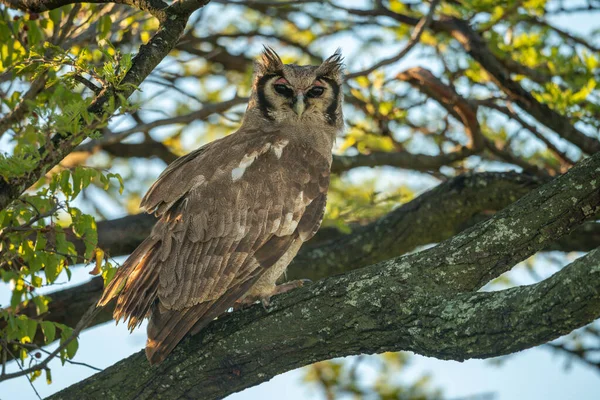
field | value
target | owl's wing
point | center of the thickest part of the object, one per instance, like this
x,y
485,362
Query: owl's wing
x,y
137,279
174,182
227,231
228,212
234,233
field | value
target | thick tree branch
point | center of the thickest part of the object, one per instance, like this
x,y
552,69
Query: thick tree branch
x,y
149,148
585,238
372,310
430,218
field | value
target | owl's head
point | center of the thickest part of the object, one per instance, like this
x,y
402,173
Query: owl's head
x,y
298,93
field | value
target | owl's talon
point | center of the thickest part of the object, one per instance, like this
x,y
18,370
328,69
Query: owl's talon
x,y
286,287
266,302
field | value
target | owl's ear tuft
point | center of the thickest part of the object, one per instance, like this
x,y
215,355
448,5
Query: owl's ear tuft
x,y
333,66
269,62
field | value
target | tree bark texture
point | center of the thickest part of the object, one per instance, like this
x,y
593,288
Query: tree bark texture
x,y
427,302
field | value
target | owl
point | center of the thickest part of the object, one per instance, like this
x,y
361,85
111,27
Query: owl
x,y
234,213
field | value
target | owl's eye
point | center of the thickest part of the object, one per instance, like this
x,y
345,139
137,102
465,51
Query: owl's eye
x,y
316,91
284,90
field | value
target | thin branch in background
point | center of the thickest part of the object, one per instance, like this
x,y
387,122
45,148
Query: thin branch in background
x,y
200,114
579,354
570,37
414,39
511,112
5,346
87,83
23,106
85,320
260,3
36,347
65,28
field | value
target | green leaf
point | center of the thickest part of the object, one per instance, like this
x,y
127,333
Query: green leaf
x,y
49,330
104,26
41,304
72,348
34,33
32,325
65,186
52,269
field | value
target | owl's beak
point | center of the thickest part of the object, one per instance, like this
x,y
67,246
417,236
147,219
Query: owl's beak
x,y
298,105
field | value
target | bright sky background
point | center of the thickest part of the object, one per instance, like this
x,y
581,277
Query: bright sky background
x,y
532,374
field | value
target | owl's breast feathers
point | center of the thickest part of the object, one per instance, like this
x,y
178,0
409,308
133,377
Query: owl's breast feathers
x,y
227,213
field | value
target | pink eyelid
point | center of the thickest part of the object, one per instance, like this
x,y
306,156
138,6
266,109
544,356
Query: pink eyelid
x,y
318,83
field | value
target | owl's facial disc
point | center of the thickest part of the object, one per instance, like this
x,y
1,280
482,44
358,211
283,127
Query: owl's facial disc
x,y
297,97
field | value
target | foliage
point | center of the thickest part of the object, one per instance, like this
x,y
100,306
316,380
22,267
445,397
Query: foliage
x,y
39,232
337,379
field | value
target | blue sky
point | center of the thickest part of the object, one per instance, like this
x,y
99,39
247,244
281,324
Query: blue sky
x,y
531,374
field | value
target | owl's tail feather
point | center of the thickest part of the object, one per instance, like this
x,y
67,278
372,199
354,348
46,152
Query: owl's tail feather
x,y
168,327
136,284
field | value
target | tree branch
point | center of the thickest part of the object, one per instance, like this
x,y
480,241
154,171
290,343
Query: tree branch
x,y
199,115
372,310
143,64
467,261
456,105
477,48
415,37
399,159
21,109
149,148
154,7
430,218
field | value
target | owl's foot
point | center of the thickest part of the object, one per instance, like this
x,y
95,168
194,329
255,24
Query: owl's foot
x,y
265,298
286,287
283,288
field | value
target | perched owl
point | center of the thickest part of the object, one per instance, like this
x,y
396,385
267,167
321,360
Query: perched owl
x,y
233,213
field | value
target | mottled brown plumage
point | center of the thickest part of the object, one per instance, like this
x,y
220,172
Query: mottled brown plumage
x,y
234,213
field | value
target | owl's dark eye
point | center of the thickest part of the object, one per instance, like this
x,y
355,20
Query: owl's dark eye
x,y
316,91
284,90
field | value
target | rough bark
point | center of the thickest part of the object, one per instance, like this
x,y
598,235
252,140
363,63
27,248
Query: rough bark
x,y
372,310
426,302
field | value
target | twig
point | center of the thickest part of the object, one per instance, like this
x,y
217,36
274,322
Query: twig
x,y
21,368
85,320
578,354
32,221
36,347
201,114
87,83
414,39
